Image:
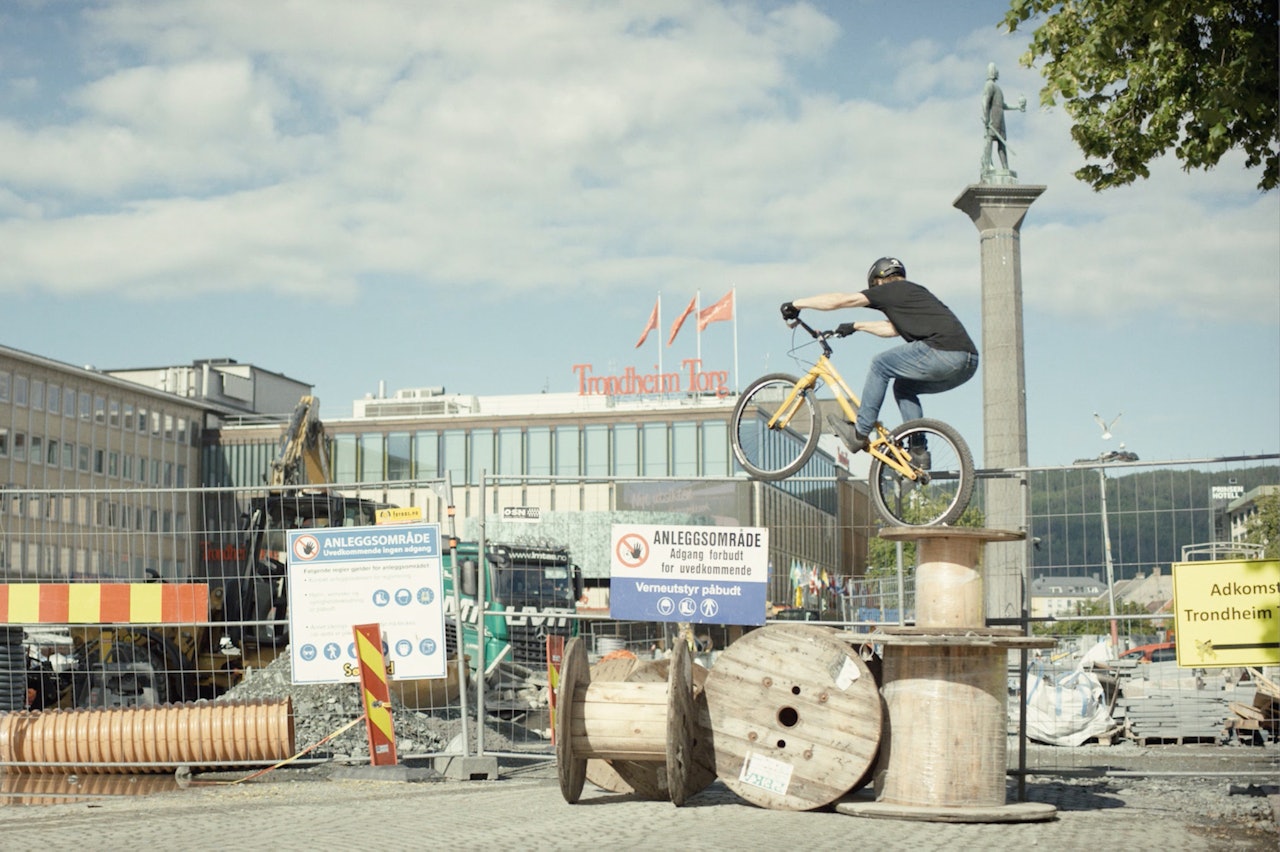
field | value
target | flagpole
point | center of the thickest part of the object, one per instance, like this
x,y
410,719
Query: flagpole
x,y
697,324
736,381
659,336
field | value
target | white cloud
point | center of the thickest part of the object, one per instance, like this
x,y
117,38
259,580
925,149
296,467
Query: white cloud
x,y
555,145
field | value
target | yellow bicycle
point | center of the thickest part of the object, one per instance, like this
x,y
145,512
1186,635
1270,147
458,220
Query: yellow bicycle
x,y
921,472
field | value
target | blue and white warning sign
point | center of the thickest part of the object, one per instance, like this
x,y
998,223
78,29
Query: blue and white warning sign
x,y
343,576
703,575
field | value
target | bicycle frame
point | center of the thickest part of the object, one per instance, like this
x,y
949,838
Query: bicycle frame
x,y
823,370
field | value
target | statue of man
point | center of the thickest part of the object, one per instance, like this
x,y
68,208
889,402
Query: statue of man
x,y
993,107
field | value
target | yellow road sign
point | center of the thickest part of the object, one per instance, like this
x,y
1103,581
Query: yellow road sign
x,y
1227,613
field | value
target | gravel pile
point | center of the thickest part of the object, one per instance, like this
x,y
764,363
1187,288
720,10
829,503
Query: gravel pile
x,y
321,709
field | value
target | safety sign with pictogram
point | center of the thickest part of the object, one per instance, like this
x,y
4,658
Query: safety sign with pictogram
x,y
698,574
343,576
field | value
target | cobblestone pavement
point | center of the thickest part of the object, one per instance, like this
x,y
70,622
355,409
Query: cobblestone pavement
x,y
1217,798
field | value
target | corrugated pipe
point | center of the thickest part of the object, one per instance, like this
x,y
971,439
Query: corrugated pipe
x,y
136,739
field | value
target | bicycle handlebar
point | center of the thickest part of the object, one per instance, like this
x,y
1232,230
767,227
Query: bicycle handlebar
x,y
820,336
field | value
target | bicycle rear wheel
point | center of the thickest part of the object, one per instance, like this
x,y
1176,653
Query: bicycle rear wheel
x,y
773,453
944,486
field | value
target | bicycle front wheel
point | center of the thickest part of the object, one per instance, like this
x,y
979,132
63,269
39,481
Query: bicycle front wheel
x,y
773,453
940,493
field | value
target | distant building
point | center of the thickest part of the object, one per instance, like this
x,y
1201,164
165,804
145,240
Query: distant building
x,y
1055,596
1153,592
1242,510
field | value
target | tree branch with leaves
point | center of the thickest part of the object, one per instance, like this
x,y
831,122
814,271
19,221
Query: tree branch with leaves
x,y
1139,77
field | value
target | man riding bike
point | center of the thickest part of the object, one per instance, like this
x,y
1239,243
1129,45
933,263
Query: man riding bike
x,y
938,354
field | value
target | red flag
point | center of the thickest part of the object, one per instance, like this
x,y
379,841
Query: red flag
x,y
721,310
651,325
675,326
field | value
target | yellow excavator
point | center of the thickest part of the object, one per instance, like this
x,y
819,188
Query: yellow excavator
x,y
248,620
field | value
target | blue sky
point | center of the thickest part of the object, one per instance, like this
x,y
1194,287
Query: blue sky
x,y
484,195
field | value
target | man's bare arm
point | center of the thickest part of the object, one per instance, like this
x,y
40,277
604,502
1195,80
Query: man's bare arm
x,y
832,301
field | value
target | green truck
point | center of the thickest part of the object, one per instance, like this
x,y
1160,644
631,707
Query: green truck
x,y
530,592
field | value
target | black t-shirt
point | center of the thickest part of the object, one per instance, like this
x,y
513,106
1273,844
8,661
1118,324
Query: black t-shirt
x,y
917,314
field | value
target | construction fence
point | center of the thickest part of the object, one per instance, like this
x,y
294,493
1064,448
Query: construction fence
x,y
205,615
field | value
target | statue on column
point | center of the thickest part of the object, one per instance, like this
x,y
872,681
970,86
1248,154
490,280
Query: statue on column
x,y
993,108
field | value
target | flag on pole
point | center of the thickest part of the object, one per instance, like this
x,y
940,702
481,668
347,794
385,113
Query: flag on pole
x,y
721,310
675,326
651,325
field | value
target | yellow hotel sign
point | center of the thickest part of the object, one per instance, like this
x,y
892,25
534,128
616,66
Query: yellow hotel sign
x,y
1227,613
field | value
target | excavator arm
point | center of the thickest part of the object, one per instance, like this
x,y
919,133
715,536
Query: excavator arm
x,y
303,457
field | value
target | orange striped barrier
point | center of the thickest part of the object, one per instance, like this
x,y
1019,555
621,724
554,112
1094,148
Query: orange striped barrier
x,y
375,694
103,603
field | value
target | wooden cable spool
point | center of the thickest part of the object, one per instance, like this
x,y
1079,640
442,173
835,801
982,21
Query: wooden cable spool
x,y
624,721
795,717
646,779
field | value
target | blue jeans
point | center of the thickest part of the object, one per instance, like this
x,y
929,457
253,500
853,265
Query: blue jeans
x,y
915,368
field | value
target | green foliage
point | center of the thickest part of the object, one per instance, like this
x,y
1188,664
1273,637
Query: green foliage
x,y
882,555
1100,607
1139,77
1264,527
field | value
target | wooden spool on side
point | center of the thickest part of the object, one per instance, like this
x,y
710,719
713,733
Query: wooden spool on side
x,y
947,706
649,780
625,721
795,717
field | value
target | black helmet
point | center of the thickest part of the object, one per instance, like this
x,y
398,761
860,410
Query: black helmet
x,y
883,268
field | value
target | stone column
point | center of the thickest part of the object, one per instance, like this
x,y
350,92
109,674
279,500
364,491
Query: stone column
x,y
997,209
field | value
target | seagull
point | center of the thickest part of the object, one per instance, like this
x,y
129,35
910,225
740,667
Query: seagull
x,y
1106,427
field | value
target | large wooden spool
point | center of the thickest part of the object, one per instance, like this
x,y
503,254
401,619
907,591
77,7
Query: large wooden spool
x,y
624,721
648,779
945,687
795,717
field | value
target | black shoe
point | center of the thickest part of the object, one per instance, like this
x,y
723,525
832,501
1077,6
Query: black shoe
x,y
845,431
921,458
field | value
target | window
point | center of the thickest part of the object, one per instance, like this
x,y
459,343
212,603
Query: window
x,y
538,452
595,441
626,455
155,471
68,455
142,469
568,440
52,456
399,463
684,449
113,463
37,449
4,443
371,457
99,461
343,459
113,412
126,467
168,474
155,423
37,395
19,390
168,427
715,449
69,403
453,452
4,386
86,405
653,438
426,455
481,454
142,420
127,423
19,446
182,430
510,455
99,409
84,458
54,397
182,476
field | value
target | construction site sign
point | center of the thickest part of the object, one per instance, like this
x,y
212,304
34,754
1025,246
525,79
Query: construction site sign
x,y
682,573
343,576
1227,613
